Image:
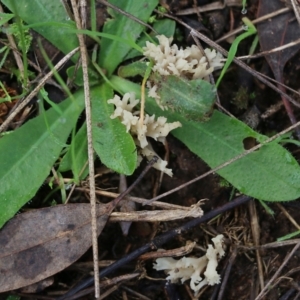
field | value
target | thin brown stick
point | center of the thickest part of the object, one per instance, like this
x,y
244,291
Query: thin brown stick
x,y
188,248
272,245
290,218
260,54
109,291
225,275
139,296
296,9
84,62
159,204
255,234
127,15
268,285
272,110
208,7
256,21
280,84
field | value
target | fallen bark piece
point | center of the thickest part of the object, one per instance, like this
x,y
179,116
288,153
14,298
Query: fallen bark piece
x,y
155,216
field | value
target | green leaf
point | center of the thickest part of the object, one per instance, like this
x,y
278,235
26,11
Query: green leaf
x,y
270,173
112,143
112,52
165,26
44,11
76,75
133,69
193,99
233,48
28,154
76,157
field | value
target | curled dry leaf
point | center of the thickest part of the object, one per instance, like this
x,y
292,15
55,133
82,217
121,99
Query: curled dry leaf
x,y
37,244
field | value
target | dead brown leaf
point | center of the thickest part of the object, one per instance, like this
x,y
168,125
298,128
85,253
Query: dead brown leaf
x,y
39,243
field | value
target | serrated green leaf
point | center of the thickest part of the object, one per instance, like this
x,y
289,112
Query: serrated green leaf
x,y
44,11
112,143
28,154
112,52
270,173
193,99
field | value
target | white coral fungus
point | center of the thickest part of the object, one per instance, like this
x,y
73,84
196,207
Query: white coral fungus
x,y
157,129
193,268
188,62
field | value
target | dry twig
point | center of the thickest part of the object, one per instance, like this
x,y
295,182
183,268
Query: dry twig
x,y
84,60
256,21
256,238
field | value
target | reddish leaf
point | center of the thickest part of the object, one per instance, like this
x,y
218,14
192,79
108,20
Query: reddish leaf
x,y
40,243
275,32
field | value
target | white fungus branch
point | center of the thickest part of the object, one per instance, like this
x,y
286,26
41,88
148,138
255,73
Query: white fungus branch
x,y
157,129
189,63
201,271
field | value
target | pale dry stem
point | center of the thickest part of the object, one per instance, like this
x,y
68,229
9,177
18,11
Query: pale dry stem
x,y
84,60
256,21
289,217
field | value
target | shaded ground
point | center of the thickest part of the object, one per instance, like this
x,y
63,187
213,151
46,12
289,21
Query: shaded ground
x,y
247,99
